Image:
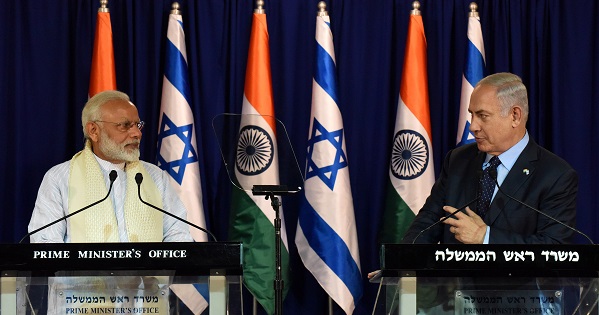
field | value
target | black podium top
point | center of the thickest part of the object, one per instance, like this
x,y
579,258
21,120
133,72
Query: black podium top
x,y
459,260
184,259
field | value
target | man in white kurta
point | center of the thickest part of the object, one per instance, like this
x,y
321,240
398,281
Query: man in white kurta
x,y
112,130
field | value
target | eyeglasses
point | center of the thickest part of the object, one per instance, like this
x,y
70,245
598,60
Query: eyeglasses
x,y
125,126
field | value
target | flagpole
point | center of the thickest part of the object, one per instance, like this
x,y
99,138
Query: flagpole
x,y
322,11
103,6
473,10
269,191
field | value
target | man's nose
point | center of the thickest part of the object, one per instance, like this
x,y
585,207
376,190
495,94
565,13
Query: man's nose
x,y
135,132
474,125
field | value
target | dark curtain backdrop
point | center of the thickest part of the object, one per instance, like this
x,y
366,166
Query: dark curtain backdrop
x,y
45,56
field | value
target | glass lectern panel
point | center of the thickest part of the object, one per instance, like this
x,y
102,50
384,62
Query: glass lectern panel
x,y
121,278
122,293
487,279
467,295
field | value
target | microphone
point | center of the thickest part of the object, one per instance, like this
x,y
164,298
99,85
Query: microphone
x,y
445,218
138,179
493,174
112,177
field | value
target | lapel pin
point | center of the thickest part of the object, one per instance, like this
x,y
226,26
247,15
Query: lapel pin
x,y
526,171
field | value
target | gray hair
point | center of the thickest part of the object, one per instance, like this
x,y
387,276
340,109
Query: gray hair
x,y
511,91
91,110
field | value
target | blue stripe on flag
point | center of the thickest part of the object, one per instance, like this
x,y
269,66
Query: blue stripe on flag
x,y
465,135
203,289
175,70
474,69
324,73
330,248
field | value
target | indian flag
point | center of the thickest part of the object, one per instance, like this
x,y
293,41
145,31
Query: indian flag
x,y
257,163
411,171
103,75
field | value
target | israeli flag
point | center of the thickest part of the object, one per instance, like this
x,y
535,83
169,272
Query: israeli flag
x,y
177,149
474,71
326,235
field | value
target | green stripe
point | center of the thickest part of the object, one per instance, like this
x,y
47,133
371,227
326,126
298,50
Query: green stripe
x,y
396,218
250,226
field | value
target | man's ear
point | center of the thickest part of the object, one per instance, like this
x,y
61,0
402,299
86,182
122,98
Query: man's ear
x,y
516,114
93,131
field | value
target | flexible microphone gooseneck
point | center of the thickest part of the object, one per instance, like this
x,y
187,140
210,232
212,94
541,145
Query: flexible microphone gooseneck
x,y
445,218
112,177
493,174
138,179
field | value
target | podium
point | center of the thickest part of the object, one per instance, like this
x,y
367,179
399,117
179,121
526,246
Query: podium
x,y
131,278
487,279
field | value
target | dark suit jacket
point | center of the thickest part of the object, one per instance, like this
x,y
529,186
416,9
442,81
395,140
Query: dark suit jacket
x,y
539,178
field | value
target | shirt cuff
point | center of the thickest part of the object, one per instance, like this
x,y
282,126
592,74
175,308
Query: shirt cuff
x,y
486,240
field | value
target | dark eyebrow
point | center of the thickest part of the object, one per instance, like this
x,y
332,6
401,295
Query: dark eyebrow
x,y
482,111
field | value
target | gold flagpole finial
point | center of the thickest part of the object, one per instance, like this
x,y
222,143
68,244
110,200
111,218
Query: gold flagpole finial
x,y
416,8
175,8
322,9
259,9
103,6
473,10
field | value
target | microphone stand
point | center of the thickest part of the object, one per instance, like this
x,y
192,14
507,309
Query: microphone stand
x,y
138,179
278,282
270,191
493,174
113,175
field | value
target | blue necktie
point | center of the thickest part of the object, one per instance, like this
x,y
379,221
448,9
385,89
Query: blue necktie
x,y
487,184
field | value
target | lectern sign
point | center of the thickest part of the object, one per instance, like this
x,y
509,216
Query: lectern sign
x,y
489,260
507,255
508,302
107,254
108,295
94,258
461,279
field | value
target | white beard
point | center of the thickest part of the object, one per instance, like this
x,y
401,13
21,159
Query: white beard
x,y
115,151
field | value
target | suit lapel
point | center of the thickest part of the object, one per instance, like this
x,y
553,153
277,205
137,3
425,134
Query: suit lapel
x,y
516,179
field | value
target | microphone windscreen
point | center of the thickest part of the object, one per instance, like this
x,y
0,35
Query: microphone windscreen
x,y
139,178
113,175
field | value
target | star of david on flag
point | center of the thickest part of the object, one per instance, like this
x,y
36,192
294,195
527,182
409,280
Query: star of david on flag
x,y
177,150
474,71
176,168
326,236
328,169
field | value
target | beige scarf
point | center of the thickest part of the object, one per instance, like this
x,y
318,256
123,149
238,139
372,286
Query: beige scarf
x,y
98,223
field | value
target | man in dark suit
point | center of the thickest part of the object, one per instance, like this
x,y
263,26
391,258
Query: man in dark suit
x,y
526,171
